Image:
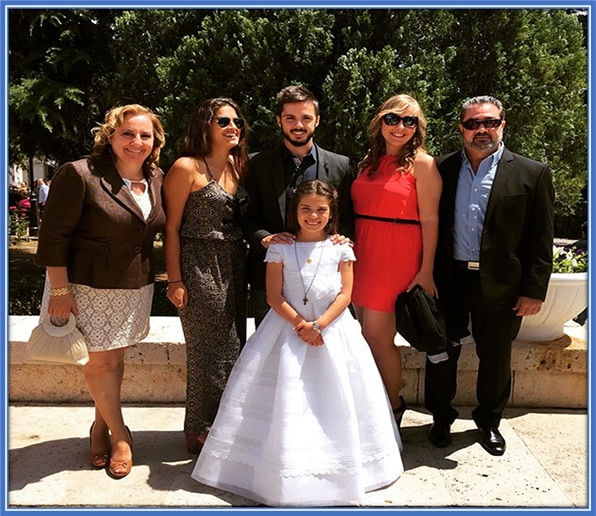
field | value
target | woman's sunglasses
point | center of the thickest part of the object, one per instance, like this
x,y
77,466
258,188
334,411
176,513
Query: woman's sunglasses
x,y
473,123
224,121
393,119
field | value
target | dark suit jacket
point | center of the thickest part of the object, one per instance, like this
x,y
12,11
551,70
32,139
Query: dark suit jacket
x,y
266,185
517,237
93,226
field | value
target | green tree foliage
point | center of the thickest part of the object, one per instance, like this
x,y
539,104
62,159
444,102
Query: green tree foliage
x,y
406,52
249,56
67,67
56,81
535,62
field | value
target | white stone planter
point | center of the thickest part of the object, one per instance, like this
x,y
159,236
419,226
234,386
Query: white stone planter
x,y
566,297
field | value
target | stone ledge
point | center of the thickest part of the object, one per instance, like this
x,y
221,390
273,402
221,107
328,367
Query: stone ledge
x,y
545,374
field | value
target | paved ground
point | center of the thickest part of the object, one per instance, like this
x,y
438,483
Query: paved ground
x,y
546,463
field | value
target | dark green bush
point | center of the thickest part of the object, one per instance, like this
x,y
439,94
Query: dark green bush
x,y
24,294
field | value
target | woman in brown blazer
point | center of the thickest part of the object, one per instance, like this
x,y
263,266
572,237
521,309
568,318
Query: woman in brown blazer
x,y
100,221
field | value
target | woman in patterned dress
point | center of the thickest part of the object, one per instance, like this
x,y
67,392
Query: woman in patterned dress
x,y
396,203
96,242
205,255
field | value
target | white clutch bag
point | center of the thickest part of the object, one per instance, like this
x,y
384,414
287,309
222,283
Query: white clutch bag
x,y
57,344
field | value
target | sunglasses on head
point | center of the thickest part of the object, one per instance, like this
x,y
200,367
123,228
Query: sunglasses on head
x,y
393,119
473,123
224,121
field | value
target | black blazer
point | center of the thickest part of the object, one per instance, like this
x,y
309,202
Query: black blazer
x,y
266,213
517,237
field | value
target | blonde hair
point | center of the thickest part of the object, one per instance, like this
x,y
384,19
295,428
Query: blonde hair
x,y
405,159
114,118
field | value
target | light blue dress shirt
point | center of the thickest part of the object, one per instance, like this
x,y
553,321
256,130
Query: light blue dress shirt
x,y
42,195
471,200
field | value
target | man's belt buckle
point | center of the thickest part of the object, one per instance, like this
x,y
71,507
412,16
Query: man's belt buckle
x,y
473,266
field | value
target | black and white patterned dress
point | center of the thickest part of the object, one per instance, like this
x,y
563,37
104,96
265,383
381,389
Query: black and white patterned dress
x,y
212,262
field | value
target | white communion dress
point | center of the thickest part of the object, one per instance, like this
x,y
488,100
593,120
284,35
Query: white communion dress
x,y
302,425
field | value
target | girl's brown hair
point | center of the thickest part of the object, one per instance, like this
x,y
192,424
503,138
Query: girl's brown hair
x,y
315,187
196,142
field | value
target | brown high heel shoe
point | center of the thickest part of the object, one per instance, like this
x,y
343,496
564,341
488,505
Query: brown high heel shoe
x,y
97,460
194,443
120,468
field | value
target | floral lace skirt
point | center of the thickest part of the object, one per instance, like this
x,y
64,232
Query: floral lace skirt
x,y
109,318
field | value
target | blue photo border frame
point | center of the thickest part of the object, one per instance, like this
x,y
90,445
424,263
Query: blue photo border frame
x,y
588,5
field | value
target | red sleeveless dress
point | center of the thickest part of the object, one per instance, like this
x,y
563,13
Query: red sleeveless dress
x,y
388,254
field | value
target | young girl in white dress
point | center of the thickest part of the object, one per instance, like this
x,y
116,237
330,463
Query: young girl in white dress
x,y
304,419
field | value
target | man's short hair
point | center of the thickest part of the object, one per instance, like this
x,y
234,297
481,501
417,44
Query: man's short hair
x,y
295,93
482,99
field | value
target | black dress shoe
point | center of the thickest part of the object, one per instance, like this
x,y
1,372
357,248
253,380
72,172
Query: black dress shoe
x,y
440,434
492,440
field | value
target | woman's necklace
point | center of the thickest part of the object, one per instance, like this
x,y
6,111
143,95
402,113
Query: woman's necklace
x,y
136,187
307,290
209,170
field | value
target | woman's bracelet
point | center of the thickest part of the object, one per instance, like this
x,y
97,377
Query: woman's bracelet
x,y
174,282
62,291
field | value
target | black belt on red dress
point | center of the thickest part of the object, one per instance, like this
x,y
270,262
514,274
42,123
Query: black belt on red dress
x,y
386,219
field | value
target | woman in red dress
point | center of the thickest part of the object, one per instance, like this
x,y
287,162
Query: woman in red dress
x,y
396,200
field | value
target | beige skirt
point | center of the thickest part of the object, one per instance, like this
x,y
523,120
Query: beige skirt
x,y
109,318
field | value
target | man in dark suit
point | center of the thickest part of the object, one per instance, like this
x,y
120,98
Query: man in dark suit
x,y
492,266
273,175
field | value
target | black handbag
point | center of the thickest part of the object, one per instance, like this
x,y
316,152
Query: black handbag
x,y
420,321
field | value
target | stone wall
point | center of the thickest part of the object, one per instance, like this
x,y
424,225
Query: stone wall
x,y
545,374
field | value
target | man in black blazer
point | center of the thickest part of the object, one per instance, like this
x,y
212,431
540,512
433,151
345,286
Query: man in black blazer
x,y
492,266
273,175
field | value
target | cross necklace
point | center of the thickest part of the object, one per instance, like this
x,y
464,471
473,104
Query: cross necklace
x,y
308,260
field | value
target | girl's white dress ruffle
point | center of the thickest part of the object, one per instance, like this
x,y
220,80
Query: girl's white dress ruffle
x,y
301,425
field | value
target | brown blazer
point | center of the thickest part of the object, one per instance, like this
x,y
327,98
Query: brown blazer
x,y
93,226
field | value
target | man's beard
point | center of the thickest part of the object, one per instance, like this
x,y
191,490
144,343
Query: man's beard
x,y
485,145
298,143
